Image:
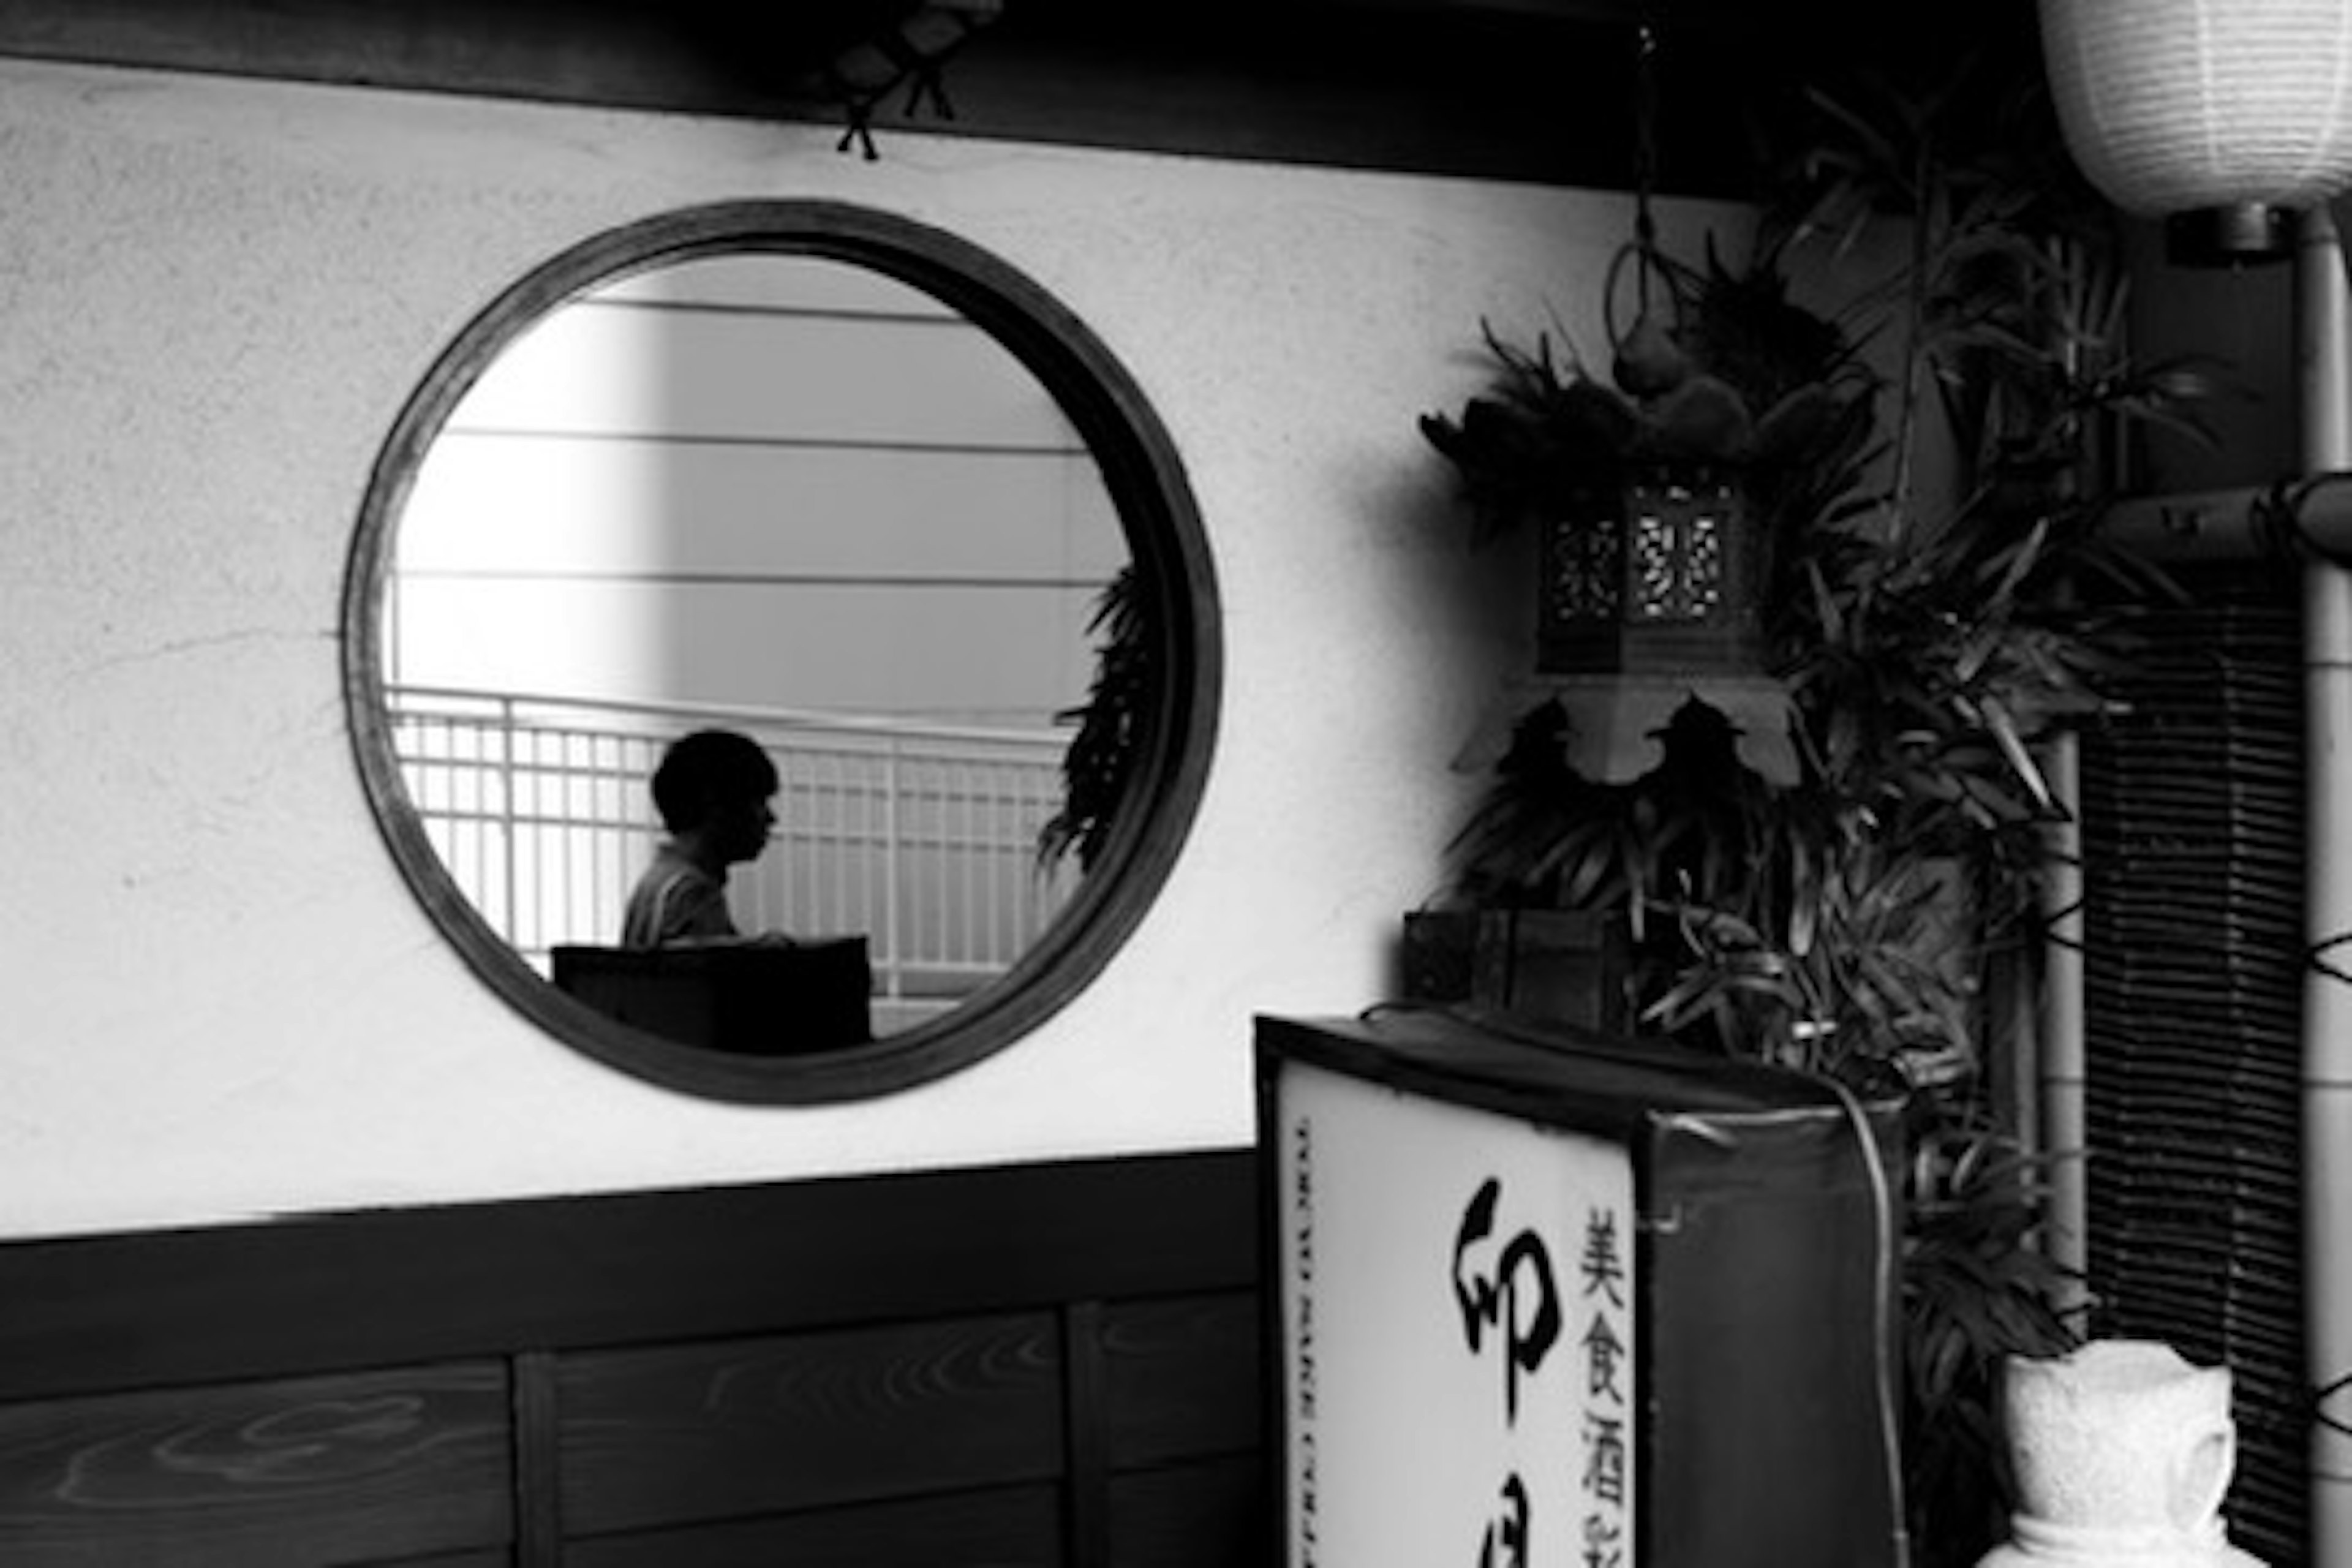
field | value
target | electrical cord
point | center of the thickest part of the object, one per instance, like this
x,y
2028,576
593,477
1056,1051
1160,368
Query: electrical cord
x,y
1885,1272
1884,1292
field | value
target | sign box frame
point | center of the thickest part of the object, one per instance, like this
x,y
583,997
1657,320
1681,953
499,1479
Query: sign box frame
x,y
1425,1176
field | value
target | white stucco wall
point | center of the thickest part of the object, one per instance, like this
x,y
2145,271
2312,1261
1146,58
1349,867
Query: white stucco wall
x,y
221,1000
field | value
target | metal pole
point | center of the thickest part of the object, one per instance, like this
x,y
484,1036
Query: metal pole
x,y
900,949
2324,368
507,829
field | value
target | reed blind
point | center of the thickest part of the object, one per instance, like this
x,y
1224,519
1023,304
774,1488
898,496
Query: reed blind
x,y
2193,844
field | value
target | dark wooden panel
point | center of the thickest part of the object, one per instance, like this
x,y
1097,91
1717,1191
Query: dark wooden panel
x,y
661,53
371,1467
1214,1514
412,1285
1183,1377
698,1432
1086,1482
538,1482
767,1375
1018,1528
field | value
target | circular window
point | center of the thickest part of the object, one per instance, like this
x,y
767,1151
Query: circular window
x,y
852,490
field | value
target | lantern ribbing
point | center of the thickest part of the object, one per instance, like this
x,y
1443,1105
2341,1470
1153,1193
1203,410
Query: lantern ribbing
x,y
2171,106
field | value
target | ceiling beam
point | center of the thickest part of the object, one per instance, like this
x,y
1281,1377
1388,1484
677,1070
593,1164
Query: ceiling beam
x,y
1528,90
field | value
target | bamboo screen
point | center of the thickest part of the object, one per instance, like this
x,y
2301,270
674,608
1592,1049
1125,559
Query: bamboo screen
x,y
2192,818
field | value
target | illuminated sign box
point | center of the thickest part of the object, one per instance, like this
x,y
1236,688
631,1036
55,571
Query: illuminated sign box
x,y
1552,1301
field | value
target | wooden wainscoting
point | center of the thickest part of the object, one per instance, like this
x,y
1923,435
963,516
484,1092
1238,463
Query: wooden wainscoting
x,y
1050,1364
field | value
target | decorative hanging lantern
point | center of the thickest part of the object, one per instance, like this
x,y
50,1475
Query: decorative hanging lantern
x,y
1658,574
1729,419
1652,565
2175,108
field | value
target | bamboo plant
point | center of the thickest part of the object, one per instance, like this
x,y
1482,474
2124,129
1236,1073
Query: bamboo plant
x,y
1931,638
1099,764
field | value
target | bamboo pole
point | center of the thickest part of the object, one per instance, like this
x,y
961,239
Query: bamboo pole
x,y
2227,525
2063,1132
2324,367
2231,524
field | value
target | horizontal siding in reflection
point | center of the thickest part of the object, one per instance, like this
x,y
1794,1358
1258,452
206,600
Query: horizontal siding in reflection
x,y
785,483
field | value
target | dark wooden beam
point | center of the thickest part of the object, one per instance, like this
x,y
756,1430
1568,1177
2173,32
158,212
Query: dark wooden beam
x,y
416,1286
684,54
1533,90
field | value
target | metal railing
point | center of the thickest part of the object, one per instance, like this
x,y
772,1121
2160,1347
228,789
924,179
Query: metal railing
x,y
923,838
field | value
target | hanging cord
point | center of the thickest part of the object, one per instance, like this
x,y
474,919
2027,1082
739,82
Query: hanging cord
x,y
2319,1412
1642,253
1646,148
1886,1282
1885,1296
1886,1288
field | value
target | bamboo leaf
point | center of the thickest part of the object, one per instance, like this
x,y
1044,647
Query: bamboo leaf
x,y
2003,726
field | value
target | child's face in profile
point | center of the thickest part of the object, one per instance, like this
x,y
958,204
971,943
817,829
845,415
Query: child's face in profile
x,y
739,828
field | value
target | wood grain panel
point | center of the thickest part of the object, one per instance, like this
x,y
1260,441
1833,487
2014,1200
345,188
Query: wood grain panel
x,y
370,1468
421,1285
1215,1514
1184,1377
699,1432
1047,1364
1015,1528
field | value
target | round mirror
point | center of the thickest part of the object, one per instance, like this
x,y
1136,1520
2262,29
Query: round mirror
x,y
865,501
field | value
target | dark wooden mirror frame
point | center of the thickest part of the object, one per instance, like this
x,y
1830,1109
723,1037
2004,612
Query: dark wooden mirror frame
x,y
1164,538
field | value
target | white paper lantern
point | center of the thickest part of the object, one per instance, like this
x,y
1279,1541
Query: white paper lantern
x,y
2171,106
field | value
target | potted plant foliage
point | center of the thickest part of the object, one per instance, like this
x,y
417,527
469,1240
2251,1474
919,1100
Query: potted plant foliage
x,y
1850,921
1099,764
1660,488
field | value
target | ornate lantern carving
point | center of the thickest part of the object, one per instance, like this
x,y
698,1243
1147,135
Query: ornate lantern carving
x,y
1659,574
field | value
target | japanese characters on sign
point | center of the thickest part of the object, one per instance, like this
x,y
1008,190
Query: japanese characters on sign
x,y
1301,1148
1512,1311
1608,1463
1460,1308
